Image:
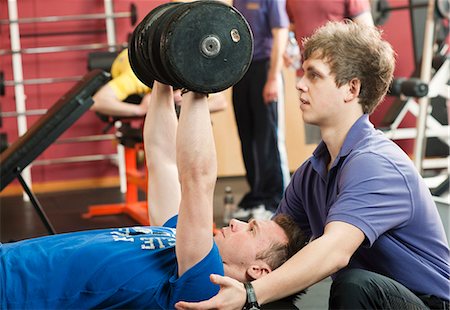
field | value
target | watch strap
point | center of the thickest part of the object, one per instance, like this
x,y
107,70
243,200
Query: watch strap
x,y
251,303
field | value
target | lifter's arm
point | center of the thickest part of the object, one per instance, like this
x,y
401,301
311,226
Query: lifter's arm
x,y
159,141
197,165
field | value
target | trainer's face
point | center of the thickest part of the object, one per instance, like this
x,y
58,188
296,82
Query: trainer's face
x,y
320,98
240,242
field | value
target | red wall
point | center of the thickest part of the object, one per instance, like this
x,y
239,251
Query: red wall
x,y
61,64
397,32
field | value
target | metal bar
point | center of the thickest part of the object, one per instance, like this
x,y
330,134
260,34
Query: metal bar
x,y
37,205
19,91
110,26
73,159
92,138
52,19
411,133
436,163
61,33
425,74
56,49
111,39
404,7
44,81
25,113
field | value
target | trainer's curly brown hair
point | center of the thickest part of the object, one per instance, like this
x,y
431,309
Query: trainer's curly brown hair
x,y
355,51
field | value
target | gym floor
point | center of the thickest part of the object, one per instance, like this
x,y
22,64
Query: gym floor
x,y
18,221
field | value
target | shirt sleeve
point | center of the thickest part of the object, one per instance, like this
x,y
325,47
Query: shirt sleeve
x,y
194,284
172,222
373,196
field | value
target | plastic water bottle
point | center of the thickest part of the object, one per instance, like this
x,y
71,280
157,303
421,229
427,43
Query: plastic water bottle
x,y
293,51
228,205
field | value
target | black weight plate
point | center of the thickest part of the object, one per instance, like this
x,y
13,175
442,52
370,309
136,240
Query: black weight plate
x,y
154,39
138,61
137,64
182,39
138,47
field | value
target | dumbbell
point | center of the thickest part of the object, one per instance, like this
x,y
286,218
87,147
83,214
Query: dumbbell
x,y
202,46
412,87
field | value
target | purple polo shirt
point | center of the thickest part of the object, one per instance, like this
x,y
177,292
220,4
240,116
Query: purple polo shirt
x,y
263,16
374,186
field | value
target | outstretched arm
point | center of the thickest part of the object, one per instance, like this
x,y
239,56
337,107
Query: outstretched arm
x,y
197,165
106,102
160,127
317,260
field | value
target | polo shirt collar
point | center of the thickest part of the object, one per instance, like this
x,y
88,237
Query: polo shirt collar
x,y
356,133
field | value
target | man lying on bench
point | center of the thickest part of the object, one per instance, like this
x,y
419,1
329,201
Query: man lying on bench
x,y
151,267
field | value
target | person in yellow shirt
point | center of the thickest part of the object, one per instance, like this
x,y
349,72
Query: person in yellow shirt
x,y
109,99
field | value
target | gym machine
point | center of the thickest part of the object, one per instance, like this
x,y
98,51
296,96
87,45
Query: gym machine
x,y
18,82
425,93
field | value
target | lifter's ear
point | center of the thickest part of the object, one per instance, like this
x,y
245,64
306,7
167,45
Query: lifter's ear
x,y
257,271
354,88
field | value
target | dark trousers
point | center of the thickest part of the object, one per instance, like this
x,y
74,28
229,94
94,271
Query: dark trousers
x,y
257,126
362,289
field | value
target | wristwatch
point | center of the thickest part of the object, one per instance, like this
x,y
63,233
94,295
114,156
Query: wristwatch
x,y
251,303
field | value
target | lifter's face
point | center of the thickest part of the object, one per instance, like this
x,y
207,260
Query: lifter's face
x,y
320,97
240,242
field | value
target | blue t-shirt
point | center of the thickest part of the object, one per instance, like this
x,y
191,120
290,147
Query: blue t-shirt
x,y
263,16
132,267
374,186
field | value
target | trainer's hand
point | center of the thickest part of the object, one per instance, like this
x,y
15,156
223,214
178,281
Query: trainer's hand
x,y
232,295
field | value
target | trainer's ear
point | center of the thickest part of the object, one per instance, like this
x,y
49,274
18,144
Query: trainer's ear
x,y
354,88
257,271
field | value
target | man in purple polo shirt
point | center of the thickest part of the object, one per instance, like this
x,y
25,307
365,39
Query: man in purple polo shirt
x,y
258,101
372,222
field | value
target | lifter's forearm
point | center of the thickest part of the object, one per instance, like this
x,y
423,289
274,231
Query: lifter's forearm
x,y
196,154
160,128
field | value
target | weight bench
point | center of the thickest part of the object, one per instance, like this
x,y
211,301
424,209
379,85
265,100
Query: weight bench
x,y
63,114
